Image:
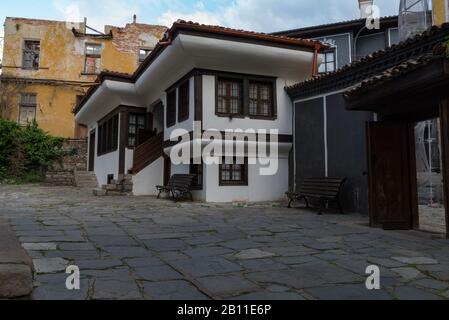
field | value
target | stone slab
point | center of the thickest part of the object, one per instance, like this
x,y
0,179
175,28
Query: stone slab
x,y
50,265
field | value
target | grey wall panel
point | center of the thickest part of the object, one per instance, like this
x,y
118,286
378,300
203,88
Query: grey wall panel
x,y
394,36
342,42
369,44
346,145
309,139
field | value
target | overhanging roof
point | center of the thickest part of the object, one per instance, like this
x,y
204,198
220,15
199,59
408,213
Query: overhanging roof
x,y
189,28
371,65
411,85
338,27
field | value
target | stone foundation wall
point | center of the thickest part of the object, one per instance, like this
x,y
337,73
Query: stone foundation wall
x,y
60,178
62,173
77,158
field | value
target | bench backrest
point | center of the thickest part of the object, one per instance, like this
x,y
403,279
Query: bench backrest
x,y
182,181
325,187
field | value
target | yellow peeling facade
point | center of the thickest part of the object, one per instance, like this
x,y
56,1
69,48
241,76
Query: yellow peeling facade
x,y
440,11
63,69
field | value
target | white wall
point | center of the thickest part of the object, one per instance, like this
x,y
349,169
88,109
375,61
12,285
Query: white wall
x,y
260,188
106,165
145,182
129,159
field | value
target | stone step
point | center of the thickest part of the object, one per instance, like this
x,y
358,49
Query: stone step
x,y
85,179
100,192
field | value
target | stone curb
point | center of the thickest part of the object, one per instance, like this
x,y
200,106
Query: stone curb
x,y
16,267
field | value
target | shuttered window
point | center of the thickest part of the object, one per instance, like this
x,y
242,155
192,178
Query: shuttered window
x,y
235,174
92,58
108,135
31,55
27,108
261,99
229,97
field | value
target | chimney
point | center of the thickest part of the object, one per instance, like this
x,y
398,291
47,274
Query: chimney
x,y
135,19
365,8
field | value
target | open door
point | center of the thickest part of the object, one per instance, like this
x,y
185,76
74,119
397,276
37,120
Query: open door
x,y
391,199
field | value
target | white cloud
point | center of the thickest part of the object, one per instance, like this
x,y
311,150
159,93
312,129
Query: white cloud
x,y
98,12
205,17
257,15
275,15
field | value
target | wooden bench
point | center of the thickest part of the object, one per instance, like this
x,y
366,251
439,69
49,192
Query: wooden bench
x,y
322,189
179,186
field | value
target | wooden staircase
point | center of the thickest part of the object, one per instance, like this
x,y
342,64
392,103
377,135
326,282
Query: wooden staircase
x,y
147,152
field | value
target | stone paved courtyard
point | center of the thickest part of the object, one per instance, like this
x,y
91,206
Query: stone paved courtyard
x,y
143,248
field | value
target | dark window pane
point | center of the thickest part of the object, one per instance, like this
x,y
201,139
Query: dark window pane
x,y
171,109
183,101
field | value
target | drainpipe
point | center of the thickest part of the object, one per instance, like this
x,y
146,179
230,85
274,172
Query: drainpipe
x,y
315,59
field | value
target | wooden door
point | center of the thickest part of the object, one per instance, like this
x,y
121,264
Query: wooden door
x,y
92,141
391,201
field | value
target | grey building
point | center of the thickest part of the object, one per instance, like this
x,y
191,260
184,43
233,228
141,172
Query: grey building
x,y
329,140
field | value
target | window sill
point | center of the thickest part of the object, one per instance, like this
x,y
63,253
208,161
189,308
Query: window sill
x,y
230,116
31,69
236,184
89,74
268,118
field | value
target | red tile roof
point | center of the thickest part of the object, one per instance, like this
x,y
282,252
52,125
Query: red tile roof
x,y
397,71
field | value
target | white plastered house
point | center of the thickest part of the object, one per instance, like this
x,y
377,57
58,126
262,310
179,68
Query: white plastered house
x,y
217,78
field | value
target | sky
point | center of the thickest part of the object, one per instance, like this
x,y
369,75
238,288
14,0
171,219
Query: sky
x,y
255,15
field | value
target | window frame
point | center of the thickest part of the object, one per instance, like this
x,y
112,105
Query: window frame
x,y
171,113
246,80
326,62
228,80
108,135
148,52
183,104
196,186
272,96
32,68
27,105
128,134
243,182
92,55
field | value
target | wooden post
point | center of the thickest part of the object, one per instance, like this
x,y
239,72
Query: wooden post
x,y
444,127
